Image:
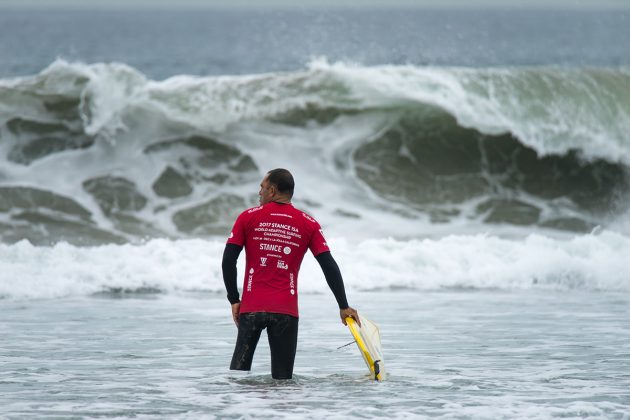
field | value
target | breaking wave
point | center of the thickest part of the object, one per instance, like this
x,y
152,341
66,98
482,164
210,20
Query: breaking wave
x,y
98,153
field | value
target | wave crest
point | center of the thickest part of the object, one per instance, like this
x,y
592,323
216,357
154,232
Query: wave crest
x,y
552,110
519,146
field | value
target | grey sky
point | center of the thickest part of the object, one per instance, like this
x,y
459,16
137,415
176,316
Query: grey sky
x,y
316,4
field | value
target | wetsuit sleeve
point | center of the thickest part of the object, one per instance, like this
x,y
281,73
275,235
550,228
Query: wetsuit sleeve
x,y
230,255
333,277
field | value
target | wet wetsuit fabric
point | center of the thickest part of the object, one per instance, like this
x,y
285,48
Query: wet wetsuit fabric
x,y
230,255
282,333
333,277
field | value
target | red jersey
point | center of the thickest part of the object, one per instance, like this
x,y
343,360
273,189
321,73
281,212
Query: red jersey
x,y
275,237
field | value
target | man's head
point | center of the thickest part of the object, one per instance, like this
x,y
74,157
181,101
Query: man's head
x,y
277,186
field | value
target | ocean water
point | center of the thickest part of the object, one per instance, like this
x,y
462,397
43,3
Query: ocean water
x,y
450,354
470,170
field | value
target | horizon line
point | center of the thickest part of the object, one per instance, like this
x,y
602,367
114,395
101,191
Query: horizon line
x,y
283,5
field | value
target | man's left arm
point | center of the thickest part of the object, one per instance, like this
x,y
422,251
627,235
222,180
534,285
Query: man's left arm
x,y
335,282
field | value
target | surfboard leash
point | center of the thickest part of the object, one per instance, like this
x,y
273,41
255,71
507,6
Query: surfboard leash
x,y
346,345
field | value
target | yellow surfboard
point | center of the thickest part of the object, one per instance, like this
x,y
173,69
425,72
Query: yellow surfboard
x,y
368,339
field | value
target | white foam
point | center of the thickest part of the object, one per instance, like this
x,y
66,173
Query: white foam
x,y
588,262
552,110
127,112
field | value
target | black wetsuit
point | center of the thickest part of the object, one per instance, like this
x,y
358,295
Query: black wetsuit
x,y
282,329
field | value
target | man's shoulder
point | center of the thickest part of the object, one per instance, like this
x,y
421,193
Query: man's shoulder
x,y
290,212
253,209
250,211
306,217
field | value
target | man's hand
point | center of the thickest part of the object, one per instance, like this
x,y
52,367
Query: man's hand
x,y
236,307
349,312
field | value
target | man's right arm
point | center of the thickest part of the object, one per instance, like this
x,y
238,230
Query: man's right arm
x,y
230,255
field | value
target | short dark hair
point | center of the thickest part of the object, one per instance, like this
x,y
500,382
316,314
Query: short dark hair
x,y
283,181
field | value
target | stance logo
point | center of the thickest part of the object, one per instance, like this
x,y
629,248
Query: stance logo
x,y
270,247
263,261
286,250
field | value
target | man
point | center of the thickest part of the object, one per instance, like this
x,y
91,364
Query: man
x,y
276,236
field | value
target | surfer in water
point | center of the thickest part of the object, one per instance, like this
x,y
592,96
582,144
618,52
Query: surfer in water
x,y
276,236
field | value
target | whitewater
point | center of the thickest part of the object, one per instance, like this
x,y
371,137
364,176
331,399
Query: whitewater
x,y
482,262
98,153
470,170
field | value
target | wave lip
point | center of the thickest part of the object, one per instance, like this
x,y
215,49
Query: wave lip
x,y
553,110
545,147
